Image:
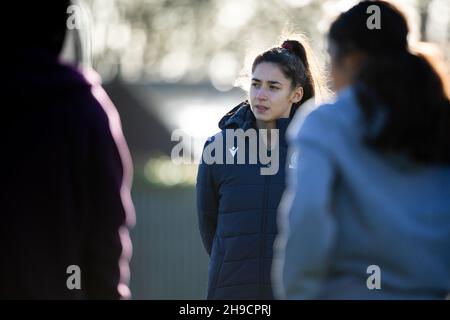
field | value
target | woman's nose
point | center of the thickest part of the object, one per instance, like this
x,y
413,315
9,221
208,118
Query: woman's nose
x,y
261,94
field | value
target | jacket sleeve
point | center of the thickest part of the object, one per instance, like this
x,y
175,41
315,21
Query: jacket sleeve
x,y
307,227
207,204
107,245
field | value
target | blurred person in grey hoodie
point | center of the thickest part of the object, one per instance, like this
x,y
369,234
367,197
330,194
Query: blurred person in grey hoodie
x,y
366,214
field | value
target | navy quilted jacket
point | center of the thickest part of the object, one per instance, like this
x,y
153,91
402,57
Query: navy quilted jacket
x,y
237,209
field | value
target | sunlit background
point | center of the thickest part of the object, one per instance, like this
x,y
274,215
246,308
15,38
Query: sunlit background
x,y
171,65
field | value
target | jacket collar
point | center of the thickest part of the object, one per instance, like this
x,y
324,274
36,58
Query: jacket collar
x,y
242,117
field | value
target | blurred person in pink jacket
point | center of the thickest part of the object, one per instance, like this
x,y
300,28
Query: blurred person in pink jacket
x,y
66,205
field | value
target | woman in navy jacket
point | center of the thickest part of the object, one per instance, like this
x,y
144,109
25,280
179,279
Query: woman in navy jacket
x,y
237,203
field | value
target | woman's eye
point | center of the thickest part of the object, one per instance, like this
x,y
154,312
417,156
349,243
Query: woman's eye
x,y
255,85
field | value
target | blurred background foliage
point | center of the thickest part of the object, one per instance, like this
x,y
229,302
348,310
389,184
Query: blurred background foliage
x,y
209,40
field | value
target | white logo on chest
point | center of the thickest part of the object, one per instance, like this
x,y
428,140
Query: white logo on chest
x,y
233,150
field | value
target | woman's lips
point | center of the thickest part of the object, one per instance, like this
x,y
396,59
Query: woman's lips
x,y
261,109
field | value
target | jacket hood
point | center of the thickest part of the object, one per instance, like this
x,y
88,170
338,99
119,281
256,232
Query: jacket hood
x,y
240,117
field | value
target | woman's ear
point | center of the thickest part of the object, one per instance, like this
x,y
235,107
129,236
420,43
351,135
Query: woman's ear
x,y
297,95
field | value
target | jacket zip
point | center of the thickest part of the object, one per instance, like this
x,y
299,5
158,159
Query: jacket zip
x,y
263,232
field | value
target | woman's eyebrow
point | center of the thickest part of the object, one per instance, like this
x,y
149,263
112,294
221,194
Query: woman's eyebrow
x,y
270,81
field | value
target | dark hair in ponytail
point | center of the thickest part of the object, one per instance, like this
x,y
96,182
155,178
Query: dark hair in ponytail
x,y
394,82
295,60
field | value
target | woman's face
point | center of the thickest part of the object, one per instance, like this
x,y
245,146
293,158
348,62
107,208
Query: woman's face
x,y
343,68
338,75
271,95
